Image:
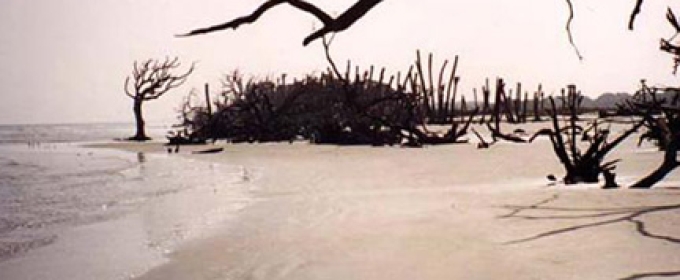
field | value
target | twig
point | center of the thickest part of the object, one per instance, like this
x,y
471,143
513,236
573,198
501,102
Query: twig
x,y
568,28
635,13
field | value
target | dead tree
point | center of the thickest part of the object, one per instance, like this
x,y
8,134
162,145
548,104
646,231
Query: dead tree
x,y
661,119
525,105
494,124
330,24
583,166
517,103
150,80
538,104
192,118
438,99
574,100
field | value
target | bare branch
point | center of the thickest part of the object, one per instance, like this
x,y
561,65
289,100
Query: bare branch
x,y
635,13
326,47
673,20
568,28
341,23
345,20
153,78
302,5
127,88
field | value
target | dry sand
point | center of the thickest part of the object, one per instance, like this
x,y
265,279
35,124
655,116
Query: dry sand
x,y
449,212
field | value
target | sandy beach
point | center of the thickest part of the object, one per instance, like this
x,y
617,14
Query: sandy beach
x,y
448,212
127,210
339,140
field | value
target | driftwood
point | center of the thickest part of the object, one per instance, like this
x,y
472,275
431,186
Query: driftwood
x,y
452,136
482,143
185,138
497,134
502,106
583,166
209,151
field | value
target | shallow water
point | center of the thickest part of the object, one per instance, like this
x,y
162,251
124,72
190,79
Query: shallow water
x,y
61,203
38,134
43,190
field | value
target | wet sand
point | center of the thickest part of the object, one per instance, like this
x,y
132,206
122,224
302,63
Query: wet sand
x,y
82,213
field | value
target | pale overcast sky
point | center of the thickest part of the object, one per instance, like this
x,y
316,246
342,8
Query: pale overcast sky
x,y
66,60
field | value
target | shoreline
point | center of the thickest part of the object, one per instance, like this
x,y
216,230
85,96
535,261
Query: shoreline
x,y
156,205
332,212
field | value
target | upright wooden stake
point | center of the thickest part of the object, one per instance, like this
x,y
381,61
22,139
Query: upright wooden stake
x,y
207,100
524,106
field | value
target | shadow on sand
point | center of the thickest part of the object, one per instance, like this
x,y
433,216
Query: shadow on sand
x,y
652,274
614,215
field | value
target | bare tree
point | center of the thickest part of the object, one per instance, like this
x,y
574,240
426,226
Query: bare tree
x,y
150,80
330,25
660,111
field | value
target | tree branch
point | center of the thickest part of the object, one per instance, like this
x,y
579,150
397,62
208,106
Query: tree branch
x,y
568,28
153,78
127,88
326,47
342,22
302,5
635,13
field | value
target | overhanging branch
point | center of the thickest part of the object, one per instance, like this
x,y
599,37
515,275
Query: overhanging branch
x,y
568,28
342,22
635,13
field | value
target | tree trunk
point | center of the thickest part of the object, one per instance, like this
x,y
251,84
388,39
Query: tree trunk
x,y
657,175
585,172
141,134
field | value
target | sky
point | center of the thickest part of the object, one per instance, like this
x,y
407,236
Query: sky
x,y
65,61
